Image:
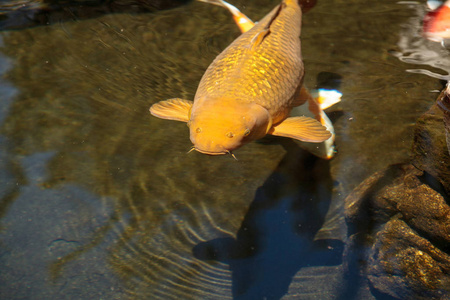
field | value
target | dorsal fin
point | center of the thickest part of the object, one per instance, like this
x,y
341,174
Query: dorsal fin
x,y
258,38
261,35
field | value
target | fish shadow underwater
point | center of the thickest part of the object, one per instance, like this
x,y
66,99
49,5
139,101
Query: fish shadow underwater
x,y
276,238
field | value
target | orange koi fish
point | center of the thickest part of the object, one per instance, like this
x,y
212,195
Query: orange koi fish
x,y
250,89
436,23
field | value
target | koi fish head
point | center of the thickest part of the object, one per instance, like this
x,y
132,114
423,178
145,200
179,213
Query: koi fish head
x,y
223,127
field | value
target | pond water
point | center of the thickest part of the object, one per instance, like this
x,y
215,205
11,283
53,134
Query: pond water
x,y
100,200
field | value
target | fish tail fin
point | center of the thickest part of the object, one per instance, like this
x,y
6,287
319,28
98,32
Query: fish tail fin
x,y
242,21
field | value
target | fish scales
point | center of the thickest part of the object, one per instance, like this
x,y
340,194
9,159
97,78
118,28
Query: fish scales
x,y
269,74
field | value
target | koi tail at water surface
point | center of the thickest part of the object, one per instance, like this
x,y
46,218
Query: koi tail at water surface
x,y
436,23
251,88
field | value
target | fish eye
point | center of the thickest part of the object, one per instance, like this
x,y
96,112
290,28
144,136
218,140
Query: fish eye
x,y
247,132
230,135
198,130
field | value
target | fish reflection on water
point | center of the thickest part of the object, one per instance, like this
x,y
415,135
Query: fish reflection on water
x,y
251,87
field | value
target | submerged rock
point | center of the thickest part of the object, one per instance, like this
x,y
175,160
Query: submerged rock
x,y
444,103
399,220
430,147
406,265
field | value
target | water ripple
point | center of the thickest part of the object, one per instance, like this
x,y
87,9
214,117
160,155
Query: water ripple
x,y
163,266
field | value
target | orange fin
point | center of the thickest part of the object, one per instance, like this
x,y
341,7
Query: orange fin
x,y
242,21
259,37
301,128
173,109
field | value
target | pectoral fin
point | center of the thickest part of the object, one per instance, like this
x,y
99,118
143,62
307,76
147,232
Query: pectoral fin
x,y
301,128
173,109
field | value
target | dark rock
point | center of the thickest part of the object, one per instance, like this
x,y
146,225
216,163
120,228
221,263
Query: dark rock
x,y
430,147
405,265
399,219
444,104
403,227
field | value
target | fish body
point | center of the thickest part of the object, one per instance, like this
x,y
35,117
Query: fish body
x,y
436,23
250,88
262,66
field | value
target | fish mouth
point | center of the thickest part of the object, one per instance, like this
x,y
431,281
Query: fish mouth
x,y
210,152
